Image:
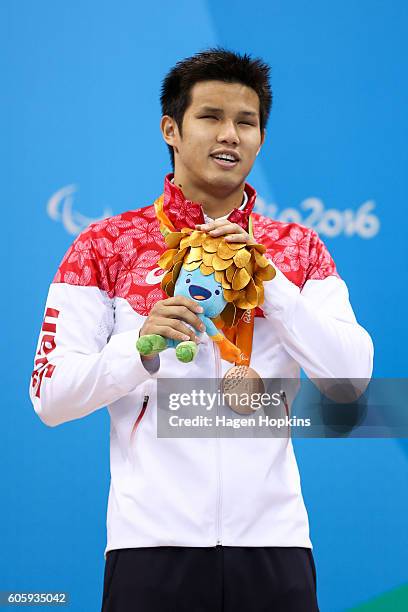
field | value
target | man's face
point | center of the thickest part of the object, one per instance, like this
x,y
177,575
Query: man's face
x,y
222,120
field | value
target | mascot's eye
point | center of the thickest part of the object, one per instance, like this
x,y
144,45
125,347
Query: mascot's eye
x,y
217,292
188,280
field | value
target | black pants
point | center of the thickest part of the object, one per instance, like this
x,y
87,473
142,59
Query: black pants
x,y
219,579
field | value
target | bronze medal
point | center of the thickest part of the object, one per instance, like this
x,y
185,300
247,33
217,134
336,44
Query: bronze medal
x,y
238,385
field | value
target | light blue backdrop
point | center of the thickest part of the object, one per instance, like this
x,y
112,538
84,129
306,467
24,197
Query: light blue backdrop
x,y
80,86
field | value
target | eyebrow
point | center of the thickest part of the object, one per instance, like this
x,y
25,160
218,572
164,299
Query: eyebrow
x,y
213,109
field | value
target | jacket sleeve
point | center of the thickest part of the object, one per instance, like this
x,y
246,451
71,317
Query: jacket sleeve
x,y
317,325
79,366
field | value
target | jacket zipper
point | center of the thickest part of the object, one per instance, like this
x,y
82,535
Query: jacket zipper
x,y
218,453
140,416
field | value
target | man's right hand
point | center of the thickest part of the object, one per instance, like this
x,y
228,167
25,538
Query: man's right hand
x,y
167,316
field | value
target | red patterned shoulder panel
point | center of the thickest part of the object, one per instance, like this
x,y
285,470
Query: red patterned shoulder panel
x,y
119,255
296,250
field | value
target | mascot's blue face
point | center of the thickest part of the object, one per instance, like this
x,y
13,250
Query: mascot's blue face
x,y
202,289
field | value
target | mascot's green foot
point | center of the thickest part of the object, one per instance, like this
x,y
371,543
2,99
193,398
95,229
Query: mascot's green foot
x,y
152,343
186,351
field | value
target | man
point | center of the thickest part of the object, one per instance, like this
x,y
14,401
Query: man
x,y
203,523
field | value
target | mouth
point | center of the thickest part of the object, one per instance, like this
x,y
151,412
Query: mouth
x,y
199,293
225,160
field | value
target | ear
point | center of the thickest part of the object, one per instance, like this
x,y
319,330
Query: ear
x,y
169,130
262,140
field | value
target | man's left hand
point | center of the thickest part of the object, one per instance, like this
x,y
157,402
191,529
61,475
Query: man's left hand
x,y
222,227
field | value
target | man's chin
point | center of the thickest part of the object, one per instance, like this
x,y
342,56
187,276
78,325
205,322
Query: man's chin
x,y
225,182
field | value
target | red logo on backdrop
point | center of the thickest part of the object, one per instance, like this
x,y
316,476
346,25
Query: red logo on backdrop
x,y
47,344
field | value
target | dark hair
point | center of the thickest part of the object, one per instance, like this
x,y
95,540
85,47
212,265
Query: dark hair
x,y
215,64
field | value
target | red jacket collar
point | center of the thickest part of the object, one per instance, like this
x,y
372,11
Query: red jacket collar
x,y
185,213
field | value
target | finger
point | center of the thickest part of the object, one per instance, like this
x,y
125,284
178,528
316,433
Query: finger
x,y
227,228
179,326
211,224
183,313
176,330
238,238
181,300
162,325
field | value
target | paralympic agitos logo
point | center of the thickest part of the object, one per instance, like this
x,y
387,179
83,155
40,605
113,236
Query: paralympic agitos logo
x,y
60,208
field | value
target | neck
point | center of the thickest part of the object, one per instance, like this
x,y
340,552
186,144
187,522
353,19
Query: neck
x,y
214,203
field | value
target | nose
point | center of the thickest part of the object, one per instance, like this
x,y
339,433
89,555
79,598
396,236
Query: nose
x,y
228,132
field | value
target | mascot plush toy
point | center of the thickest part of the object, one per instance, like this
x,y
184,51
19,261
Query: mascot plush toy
x,y
224,278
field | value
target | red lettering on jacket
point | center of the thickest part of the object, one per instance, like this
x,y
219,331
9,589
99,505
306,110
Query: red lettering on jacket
x,y
46,345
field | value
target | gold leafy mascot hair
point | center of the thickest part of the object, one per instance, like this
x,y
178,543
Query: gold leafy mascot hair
x,y
239,268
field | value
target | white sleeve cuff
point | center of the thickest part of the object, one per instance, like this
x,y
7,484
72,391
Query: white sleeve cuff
x,y
126,365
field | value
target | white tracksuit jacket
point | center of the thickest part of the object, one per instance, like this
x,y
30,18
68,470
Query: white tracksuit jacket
x,y
196,491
